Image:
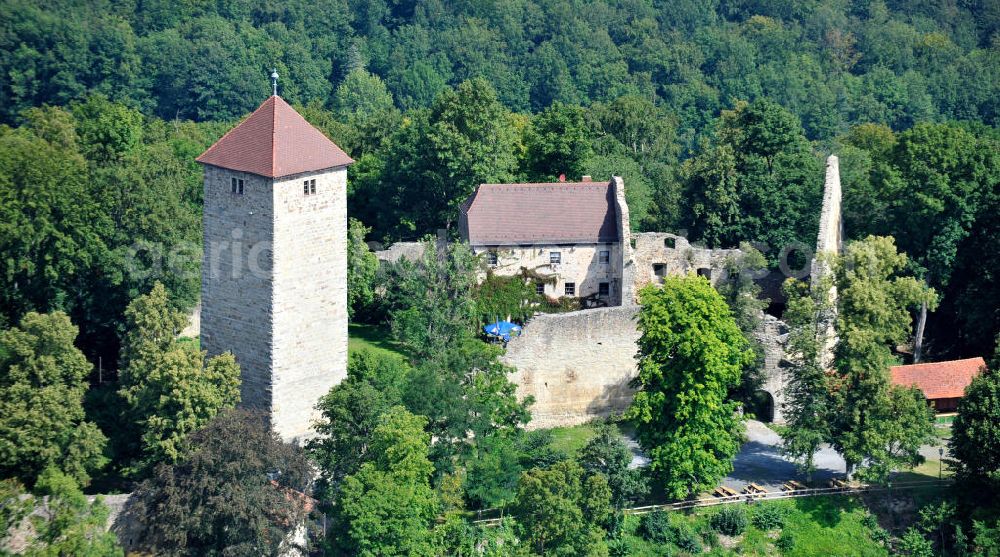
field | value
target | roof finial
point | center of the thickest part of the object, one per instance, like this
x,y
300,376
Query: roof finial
x,y
274,81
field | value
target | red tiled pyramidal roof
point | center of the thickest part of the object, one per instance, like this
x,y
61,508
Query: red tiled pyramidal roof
x,y
275,141
938,379
553,213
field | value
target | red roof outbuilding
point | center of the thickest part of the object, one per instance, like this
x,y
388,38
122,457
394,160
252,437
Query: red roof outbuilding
x,y
938,380
275,141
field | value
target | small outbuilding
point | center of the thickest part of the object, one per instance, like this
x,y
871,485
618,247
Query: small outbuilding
x,y
943,383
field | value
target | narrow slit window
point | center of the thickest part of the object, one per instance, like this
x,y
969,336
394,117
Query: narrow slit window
x,y
312,187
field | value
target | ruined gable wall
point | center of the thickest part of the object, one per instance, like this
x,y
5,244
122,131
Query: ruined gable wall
x,y
576,365
654,248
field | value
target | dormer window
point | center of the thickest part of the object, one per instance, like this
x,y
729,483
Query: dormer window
x,y
309,187
236,185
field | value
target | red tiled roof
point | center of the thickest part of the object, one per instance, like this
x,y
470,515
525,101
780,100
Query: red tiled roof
x,y
275,141
560,212
938,379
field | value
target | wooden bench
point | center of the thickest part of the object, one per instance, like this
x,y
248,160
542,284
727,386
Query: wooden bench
x,y
754,489
792,485
723,491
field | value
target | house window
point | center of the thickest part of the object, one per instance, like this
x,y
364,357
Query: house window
x,y
309,187
491,258
540,288
236,185
604,257
555,257
604,289
570,289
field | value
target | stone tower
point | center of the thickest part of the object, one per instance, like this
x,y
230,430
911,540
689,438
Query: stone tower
x,y
274,271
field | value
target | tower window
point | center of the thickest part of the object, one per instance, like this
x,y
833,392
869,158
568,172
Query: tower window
x,y
604,257
236,185
309,187
570,289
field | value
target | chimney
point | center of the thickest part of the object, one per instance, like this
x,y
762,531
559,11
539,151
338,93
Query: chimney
x,y
562,177
585,178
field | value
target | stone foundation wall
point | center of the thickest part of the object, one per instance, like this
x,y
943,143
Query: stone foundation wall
x,y
576,365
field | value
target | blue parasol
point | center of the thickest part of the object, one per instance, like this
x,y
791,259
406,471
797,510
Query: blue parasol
x,y
503,330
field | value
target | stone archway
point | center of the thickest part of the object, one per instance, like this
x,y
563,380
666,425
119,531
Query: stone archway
x,y
763,406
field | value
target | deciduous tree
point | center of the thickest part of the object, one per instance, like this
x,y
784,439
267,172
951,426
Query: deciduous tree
x,y
877,427
236,490
691,352
388,506
42,383
168,387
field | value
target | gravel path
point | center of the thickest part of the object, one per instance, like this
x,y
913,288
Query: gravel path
x,y
760,460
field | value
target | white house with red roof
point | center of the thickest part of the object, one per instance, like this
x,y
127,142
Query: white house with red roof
x,y
568,235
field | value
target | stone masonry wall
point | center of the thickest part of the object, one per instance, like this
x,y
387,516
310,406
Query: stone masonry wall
x,y
236,296
577,365
773,337
580,264
310,303
677,256
274,289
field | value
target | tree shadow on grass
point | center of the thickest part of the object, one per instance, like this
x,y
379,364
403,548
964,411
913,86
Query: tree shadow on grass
x,y
827,511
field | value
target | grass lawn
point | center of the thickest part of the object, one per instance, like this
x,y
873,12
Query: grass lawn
x,y
361,336
827,526
570,440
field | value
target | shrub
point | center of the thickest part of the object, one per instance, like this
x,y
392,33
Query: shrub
x,y
768,517
655,527
619,547
786,542
731,520
878,533
685,538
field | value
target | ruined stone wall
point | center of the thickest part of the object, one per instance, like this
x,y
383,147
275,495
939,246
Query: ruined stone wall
x,y
773,338
576,365
625,262
677,256
829,242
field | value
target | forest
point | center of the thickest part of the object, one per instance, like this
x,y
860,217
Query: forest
x,y
718,114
